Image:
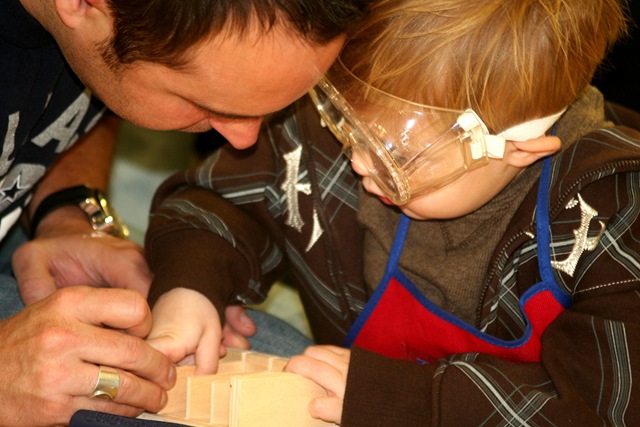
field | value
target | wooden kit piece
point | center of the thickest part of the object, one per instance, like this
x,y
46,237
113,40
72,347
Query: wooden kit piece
x,y
249,390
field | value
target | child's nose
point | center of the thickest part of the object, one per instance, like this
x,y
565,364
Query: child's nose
x,y
358,164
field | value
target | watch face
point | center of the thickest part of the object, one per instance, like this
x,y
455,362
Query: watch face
x,y
103,217
115,226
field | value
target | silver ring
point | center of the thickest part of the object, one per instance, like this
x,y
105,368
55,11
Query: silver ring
x,y
107,385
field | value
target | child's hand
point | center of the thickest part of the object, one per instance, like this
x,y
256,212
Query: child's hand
x,y
237,328
186,325
328,367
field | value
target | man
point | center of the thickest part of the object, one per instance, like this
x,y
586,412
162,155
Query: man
x,y
182,64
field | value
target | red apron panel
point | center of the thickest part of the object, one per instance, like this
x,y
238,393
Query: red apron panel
x,y
402,327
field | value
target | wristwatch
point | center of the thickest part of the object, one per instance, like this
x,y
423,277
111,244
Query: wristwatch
x,y
93,203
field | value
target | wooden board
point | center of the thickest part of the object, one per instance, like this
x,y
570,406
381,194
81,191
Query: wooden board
x,y
249,390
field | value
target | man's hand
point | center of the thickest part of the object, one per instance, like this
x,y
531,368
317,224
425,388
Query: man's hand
x,y
51,351
83,258
327,366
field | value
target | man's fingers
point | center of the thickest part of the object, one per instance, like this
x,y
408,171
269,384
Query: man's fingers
x,y
33,277
33,291
114,348
109,346
127,402
119,308
127,258
44,265
132,391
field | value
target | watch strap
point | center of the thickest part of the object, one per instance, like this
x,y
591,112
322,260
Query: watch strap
x,y
73,196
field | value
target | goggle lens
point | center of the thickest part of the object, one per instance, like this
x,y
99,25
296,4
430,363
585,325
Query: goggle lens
x,y
413,153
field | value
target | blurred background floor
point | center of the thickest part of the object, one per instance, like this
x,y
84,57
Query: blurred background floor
x,y
146,158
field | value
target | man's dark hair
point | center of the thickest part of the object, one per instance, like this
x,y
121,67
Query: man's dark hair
x,y
162,31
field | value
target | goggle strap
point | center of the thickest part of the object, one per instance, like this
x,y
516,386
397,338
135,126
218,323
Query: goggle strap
x,y
495,146
522,132
531,129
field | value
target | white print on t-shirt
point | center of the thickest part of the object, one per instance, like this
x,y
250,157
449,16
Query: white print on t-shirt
x,y
17,178
65,128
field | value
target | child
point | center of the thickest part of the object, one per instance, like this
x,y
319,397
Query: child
x,y
510,292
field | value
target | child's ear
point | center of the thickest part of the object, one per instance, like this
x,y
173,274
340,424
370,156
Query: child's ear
x,y
74,13
523,154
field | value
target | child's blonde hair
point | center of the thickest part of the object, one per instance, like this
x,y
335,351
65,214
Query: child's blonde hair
x,y
509,60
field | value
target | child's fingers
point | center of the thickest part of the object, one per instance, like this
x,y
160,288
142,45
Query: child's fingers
x,y
327,376
233,339
336,357
168,346
326,408
190,360
238,321
207,354
327,351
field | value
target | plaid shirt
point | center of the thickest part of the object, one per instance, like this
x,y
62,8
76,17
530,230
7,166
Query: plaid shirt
x,y
241,220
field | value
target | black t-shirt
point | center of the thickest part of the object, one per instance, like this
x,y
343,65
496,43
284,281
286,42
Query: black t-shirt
x,y
44,108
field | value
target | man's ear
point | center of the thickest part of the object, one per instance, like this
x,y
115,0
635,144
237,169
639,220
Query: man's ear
x,y
74,13
523,154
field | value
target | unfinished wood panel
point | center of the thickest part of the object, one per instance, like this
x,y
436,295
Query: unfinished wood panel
x,y
277,399
249,390
177,403
199,398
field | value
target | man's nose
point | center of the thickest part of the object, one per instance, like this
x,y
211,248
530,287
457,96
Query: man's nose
x,y
240,134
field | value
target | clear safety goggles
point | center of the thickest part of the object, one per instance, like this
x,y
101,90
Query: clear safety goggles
x,y
409,149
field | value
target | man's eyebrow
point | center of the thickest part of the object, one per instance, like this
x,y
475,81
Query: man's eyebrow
x,y
231,116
